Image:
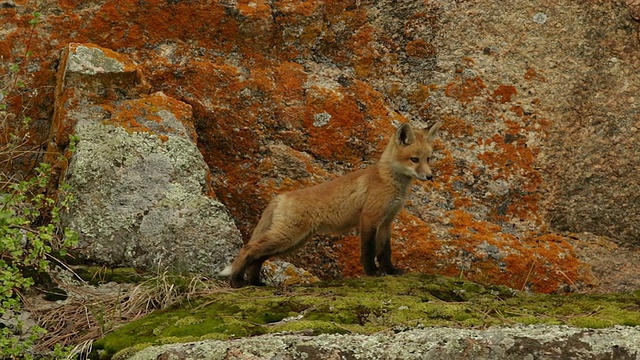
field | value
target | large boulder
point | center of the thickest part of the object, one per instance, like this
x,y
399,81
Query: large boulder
x,y
138,178
538,149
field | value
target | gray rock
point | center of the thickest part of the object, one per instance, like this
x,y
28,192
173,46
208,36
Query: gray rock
x,y
139,180
140,202
92,61
521,342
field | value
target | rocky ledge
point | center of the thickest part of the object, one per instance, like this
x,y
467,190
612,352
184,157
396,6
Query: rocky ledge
x,y
405,317
522,342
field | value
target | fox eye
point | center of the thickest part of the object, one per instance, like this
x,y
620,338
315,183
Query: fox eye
x,y
415,160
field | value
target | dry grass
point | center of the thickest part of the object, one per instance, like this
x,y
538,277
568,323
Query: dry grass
x,y
89,313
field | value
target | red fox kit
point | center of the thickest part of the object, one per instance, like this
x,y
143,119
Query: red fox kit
x,y
368,199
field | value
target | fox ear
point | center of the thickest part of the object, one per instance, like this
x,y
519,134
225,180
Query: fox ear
x,y
405,135
433,130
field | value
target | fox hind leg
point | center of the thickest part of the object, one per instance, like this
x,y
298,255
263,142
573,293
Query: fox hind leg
x,y
248,262
273,245
257,251
238,268
253,271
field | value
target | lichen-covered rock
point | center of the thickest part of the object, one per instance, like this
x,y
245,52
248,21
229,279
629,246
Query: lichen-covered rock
x,y
282,273
540,124
140,202
368,306
634,8
525,342
138,178
87,75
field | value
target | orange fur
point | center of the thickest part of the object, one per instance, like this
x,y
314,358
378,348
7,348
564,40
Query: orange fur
x,y
368,199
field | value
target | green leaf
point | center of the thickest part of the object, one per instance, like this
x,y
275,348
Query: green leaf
x,y
23,245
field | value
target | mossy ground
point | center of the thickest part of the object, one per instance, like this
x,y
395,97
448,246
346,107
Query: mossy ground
x,y
366,305
96,275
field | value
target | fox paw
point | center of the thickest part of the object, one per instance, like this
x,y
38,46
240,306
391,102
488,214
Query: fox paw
x,y
237,283
374,272
394,271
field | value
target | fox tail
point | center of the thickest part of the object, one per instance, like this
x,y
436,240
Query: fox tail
x,y
226,271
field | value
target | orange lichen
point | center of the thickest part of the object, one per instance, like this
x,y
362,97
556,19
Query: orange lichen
x,y
504,93
445,166
413,243
462,202
456,126
463,224
289,78
365,53
135,115
517,110
512,158
304,8
345,122
532,74
131,24
420,48
419,95
311,34
465,90
254,8
341,112
348,256
5,49
69,4
544,263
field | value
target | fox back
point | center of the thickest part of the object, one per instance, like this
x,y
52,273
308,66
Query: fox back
x,y
367,199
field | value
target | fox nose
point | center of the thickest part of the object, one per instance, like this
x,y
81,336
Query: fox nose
x,y
424,177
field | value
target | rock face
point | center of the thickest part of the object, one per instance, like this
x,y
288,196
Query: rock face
x,y
526,342
539,145
139,180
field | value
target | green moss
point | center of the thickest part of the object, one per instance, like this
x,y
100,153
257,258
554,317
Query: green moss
x,y
538,320
367,305
590,322
189,320
127,352
318,327
96,275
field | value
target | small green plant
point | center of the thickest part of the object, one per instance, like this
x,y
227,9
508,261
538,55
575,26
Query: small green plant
x,y
14,125
18,347
31,235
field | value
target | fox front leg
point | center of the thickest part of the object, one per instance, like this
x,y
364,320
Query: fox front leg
x,y
383,250
369,234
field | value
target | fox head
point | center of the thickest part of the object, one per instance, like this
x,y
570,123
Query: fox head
x,y
409,153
